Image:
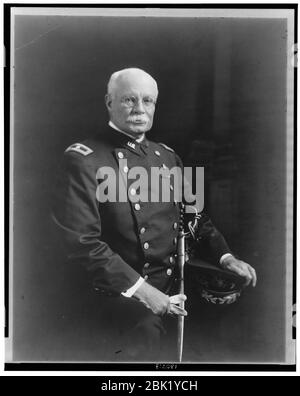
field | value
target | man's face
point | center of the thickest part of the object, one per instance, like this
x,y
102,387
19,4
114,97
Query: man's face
x,y
132,104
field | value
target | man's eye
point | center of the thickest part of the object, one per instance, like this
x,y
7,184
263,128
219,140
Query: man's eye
x,y
148,101
129,100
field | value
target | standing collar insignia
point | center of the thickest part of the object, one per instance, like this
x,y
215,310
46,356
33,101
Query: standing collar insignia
x,y
131,144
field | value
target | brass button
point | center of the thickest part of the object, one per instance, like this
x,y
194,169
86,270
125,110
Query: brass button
x,y
120,155
175,225
146,245
171,259
132,191
142,230
137,206
169,271
146,265
146,277
157,153
125,169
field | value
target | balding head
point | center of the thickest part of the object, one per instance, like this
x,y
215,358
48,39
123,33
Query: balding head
x,y
130,100
129,77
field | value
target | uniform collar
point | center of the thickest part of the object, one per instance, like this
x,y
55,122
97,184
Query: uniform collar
x,y
139,140
123,139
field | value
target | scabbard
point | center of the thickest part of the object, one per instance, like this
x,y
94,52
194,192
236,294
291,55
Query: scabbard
x,y
180,324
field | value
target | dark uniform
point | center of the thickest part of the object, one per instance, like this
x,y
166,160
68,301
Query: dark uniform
x,y
117,242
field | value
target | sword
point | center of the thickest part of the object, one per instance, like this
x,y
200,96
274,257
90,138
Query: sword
x,y
181,261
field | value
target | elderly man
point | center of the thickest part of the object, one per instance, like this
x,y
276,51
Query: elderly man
x,y
129,247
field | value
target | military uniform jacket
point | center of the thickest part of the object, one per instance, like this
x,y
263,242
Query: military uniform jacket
x,y
117,242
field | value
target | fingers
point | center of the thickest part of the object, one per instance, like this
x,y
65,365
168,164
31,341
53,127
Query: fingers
x,y
175,310
167,309
254,276
242,270
246,271
248,276
177,298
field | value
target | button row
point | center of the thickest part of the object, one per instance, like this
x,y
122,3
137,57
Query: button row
x,y
168,272
143,230
138,206
147,265
146,245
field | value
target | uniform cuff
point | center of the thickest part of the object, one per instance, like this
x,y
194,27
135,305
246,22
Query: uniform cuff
x,y
225,257
130,292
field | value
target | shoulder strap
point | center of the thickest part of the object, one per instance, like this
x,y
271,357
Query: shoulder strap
x,y
166,147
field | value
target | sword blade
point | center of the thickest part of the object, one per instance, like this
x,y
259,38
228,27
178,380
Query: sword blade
x,y
180,338
180,323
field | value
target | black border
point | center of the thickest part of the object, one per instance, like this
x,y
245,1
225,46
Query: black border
x,y
146,367
240,367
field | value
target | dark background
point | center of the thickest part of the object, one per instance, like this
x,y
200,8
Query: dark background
x,y
222,104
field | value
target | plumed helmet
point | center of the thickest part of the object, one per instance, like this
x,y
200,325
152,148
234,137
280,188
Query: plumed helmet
x,y
214,284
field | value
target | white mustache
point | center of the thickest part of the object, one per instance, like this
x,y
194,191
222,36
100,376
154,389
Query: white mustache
x,y
135,119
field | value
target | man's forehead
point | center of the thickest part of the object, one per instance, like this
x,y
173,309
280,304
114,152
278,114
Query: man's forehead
x,y
136,82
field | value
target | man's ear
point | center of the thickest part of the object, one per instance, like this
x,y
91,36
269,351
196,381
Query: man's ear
x,y
108,101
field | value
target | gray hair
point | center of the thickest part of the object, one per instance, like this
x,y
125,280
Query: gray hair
x,y
113,81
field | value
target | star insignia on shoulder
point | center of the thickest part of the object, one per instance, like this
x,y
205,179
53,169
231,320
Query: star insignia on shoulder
x,y
80,148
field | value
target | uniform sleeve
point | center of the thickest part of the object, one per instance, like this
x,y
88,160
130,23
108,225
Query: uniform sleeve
x,y
205,230
207,233
76,213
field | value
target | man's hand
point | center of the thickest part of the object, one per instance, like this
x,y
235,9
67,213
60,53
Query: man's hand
x,y
176,306
241,268
158,302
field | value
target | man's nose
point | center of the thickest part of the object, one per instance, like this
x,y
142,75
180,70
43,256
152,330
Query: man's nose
x,y
139,107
